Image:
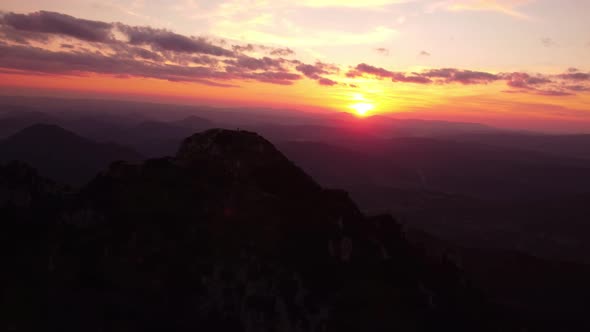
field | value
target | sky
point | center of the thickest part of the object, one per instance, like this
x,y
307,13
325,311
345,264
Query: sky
x,y
510,63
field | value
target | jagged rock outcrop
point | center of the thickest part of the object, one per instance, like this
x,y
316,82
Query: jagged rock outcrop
x,y
229,235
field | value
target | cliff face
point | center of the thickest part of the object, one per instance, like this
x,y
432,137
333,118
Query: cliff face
x,y
229,235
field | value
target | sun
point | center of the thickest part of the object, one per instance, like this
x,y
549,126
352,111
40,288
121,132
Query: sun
x,y
362,109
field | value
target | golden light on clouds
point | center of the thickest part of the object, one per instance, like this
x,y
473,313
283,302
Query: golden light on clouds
x,y
313,55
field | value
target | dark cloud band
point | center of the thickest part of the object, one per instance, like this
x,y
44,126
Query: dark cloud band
x,y
122,50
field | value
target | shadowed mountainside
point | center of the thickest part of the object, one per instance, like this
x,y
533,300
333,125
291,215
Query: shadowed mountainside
x,y
228,235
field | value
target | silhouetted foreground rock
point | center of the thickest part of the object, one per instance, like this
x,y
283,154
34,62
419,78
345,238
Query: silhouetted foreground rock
x,y
228,235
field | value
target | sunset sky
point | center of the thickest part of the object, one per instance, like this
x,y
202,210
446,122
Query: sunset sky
x,y
510,63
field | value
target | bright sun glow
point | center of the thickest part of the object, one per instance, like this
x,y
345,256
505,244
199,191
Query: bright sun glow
x,y
362,109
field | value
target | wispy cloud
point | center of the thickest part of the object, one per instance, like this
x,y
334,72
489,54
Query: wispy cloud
x,y
287,33
278,22
566,84
382,51
548,42
506,7
439,76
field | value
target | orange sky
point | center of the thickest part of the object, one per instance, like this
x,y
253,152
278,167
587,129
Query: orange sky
x,y
455,103
315,71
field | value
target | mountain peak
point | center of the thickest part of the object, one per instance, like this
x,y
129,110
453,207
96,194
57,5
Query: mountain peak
x,y
42,130
248,156
230,144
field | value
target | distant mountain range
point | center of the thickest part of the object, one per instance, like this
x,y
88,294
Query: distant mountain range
x,y
62,155
573,146
418,178
502,196
453,167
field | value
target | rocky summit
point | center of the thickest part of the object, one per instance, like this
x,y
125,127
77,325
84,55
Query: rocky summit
x,y
228,235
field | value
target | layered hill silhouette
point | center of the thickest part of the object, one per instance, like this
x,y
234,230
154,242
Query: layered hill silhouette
x,y
228,235
159,138
446,166
574,146
62,155
17,118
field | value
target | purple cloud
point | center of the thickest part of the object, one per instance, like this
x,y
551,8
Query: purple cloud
x,y
161,39
575,76
244,48
282,52
281,78
524,80
311,71
76,63
38,60
548,85
146,52
466,77
577,88
269,50
555,93
56,23
327,82
444,75
364,68
205,60
163,54
142,53
414,78
249,63
314,71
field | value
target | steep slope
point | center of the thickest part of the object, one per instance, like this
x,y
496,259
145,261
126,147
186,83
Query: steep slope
x,y
230,235
62,155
